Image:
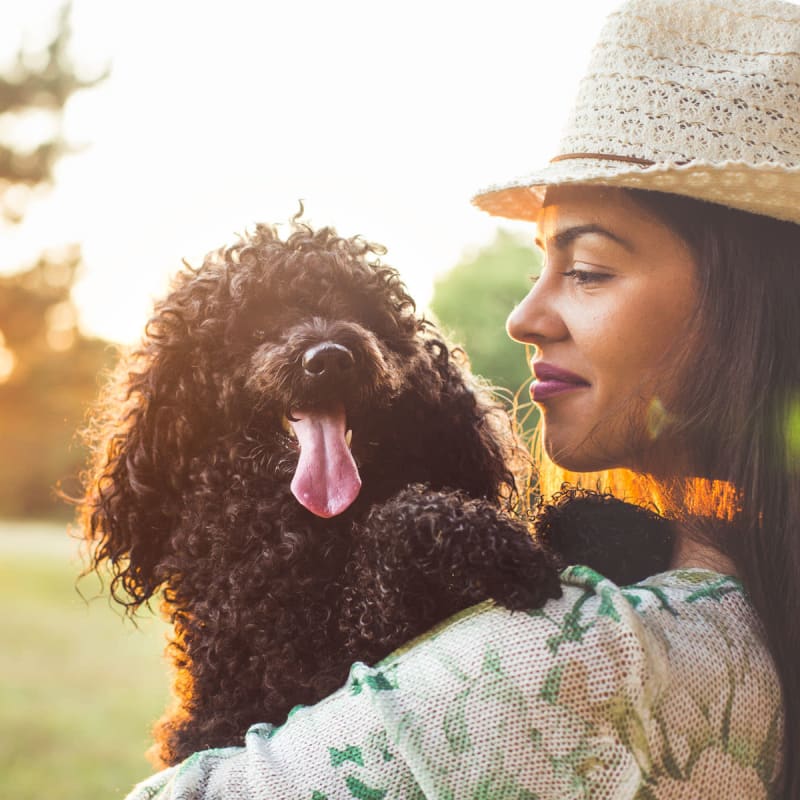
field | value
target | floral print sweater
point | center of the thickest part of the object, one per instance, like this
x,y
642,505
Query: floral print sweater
x,y
659,691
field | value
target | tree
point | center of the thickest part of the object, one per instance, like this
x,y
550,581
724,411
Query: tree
x,y
472,301
44,86
48,368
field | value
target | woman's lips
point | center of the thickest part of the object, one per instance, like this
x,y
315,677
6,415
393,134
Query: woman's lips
x,y
551,381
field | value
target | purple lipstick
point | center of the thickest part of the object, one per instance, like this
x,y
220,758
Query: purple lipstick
x,y
551,381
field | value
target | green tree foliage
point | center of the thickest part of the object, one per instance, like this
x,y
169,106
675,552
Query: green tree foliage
x,y
36,84
472,301
48,368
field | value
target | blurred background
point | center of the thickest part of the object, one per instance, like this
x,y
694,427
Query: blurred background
x,y
134,135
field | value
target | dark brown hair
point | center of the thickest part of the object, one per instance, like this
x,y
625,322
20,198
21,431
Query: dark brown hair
x,y
742,412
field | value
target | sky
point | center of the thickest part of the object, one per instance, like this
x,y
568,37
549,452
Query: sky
x,y
384,118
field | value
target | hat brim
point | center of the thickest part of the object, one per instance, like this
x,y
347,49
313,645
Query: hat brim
x,y
769,189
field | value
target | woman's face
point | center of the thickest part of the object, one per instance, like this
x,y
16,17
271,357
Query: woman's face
x,y
607,315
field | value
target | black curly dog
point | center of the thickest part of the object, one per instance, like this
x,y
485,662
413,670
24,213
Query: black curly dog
x,y
309,476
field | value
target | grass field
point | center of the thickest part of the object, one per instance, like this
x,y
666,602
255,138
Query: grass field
x,y
79,687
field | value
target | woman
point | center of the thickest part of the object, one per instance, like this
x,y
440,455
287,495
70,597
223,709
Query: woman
x,y
665,332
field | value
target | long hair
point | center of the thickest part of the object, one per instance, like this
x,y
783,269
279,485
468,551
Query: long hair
x,y
740,415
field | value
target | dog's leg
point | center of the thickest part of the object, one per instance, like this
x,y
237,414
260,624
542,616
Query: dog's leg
x,y
425,555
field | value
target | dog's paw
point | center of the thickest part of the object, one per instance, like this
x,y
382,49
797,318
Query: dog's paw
x,y
521,574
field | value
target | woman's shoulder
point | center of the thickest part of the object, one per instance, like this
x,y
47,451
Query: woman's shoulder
x,y
689,621
656,614
685,619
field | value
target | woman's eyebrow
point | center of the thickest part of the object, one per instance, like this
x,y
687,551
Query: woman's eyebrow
x,y
566,237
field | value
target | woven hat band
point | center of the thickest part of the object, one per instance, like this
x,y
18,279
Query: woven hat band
x,y
604,157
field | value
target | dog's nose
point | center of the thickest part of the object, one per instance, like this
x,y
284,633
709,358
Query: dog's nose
x,y
327,358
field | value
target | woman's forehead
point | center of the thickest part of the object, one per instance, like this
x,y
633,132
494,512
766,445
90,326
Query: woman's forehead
x,y
607,207
583,199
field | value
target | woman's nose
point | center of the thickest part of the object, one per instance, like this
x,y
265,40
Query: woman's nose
x,y
536,320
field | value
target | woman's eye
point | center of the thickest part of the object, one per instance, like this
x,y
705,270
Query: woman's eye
x,y
585,277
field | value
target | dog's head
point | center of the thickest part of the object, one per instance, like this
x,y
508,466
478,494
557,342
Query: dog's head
x,y
292,372
336,342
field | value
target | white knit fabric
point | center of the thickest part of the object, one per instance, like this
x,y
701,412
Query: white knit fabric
x,y
706,91
660,691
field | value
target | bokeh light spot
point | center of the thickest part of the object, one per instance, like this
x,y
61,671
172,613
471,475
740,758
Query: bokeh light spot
x,y
793,432
658,418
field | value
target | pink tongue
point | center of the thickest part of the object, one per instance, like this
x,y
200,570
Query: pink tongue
x,y
326,481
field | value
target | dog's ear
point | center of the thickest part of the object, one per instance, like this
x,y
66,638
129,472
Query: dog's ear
x,y
152,416
473,445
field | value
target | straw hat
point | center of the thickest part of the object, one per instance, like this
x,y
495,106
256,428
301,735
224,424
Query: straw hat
x,y
692,97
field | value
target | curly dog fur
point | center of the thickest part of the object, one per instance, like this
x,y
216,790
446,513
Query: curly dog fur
x,y
190,492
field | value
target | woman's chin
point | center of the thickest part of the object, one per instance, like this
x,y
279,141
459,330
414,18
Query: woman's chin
x,y
574,456
567,457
